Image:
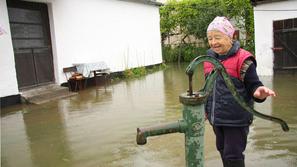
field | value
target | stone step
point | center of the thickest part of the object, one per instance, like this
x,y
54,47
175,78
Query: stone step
x,y
43,94
41,90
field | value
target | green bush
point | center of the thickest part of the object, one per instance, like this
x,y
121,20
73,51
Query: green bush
x,y
135,72
187,53
142,71
128,73
169,54
138,72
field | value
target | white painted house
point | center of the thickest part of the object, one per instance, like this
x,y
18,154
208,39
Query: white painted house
x,y
275,35
41,37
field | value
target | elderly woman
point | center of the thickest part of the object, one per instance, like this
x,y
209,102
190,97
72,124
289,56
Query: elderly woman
x,y
229,120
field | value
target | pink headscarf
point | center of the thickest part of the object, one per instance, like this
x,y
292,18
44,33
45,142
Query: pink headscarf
x,y
223,25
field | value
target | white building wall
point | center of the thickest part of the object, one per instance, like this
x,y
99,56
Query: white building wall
x,y
122,34
8,80
264,15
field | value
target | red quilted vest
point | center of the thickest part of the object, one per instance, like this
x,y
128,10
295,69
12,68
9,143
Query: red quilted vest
x,y
232,64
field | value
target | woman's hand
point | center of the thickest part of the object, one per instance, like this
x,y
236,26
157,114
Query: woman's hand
x,y
262,92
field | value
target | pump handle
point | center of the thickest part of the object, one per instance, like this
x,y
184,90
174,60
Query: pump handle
x,y
220,70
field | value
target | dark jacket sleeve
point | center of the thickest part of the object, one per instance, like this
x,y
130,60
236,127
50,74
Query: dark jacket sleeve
x,y
252,82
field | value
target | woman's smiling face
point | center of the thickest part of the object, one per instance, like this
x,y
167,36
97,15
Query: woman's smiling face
x,y
219,42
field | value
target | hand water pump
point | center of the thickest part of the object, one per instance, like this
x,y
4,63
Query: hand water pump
x,y
192,124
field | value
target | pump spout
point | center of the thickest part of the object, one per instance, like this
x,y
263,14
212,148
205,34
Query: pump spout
x,y
143,133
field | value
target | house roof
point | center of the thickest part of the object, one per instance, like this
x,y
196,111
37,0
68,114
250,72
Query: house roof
x,y
149,2
257,2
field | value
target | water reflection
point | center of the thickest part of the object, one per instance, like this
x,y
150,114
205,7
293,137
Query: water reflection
x,y
268,141
32,132
14,141
98,126
46,136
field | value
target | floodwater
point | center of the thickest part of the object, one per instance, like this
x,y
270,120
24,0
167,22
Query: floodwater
x,y
97,128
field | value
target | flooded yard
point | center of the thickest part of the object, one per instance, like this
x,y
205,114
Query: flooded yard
x,y
97,128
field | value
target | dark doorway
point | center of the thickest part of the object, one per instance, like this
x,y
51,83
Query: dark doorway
x,y
30,33
285,48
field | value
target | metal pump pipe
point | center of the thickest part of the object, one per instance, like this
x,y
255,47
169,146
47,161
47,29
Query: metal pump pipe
x,y
192,125
166,128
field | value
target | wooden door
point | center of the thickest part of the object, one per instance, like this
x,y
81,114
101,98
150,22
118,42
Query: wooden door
x,y
285,44
31,43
